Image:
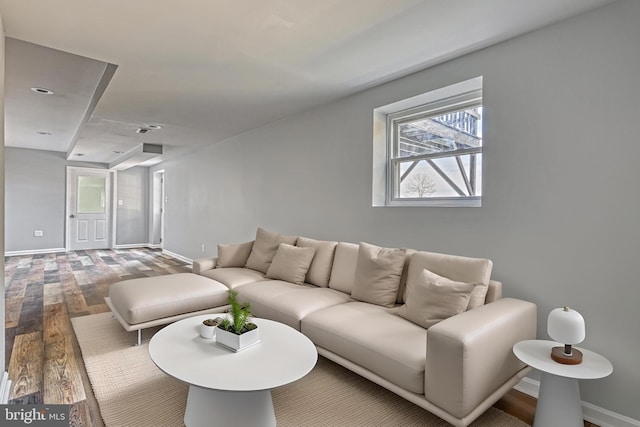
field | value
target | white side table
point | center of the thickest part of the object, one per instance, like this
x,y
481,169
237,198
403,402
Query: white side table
x,y
559,397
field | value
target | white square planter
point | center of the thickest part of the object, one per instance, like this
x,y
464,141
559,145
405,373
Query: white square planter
x,y
237,342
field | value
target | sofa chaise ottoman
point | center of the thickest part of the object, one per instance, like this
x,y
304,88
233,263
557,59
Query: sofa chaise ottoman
x,y
151,301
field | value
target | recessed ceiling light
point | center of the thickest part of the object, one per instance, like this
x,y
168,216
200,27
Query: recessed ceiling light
x,y
143,130
79,154
44,133
154,126
42,90
118,152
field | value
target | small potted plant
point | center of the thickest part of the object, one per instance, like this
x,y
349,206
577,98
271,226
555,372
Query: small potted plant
x,y
235,331
208,328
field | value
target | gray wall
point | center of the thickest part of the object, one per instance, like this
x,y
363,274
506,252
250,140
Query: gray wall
x,y
560,209
35,198
133,215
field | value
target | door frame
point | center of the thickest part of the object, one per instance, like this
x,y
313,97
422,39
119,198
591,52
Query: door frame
x,y
112,176
157,202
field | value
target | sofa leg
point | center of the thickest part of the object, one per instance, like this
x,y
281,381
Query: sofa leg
x,y
139,337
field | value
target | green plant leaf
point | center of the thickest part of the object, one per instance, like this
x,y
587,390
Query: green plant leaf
x,y
239,313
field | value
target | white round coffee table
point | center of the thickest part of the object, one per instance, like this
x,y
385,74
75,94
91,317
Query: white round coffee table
x,y
234,389
559,396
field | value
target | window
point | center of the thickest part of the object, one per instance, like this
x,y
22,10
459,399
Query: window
x,y
91,192
434,148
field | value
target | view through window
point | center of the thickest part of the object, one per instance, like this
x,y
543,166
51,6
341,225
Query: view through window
x,y
438,155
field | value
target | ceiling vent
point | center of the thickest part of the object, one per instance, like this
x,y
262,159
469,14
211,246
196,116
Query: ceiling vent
x,y
143,130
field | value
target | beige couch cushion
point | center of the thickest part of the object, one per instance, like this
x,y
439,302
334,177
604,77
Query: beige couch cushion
x,y
233,277
262,293
287,303
233,255
457,268
433,298
291,263
370,336
494,292
320,269
343,272
150,298
378,274
264,249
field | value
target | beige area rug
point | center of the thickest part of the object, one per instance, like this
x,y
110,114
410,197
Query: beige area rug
x,y
132,392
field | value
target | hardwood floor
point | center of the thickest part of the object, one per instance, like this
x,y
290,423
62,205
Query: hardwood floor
x,y
43,292
523,407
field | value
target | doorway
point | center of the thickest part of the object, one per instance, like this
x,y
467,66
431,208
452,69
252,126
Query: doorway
x,y
89,208
157,218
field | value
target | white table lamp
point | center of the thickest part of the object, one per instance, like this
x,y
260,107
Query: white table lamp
x,y
566,326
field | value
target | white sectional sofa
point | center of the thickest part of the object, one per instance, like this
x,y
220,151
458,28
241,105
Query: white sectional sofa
x,y
432,328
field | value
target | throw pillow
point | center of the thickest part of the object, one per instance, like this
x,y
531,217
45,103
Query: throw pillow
x,y
432,298
478,296
456,268
233,255
378,274
320,268
291,263
264,249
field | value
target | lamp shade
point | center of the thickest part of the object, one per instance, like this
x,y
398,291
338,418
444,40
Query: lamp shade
x,y
566,326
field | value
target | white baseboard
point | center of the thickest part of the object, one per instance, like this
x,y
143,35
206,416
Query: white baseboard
x,y
590,412
35,252
132,246
178,256
528,386
139,245
56,250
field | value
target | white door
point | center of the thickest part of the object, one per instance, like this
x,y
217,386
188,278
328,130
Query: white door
x,y
88,208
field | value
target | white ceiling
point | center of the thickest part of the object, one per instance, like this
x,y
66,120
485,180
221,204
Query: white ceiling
x,y
207,70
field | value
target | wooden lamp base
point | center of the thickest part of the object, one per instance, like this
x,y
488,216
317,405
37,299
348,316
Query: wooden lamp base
x,y
573,358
